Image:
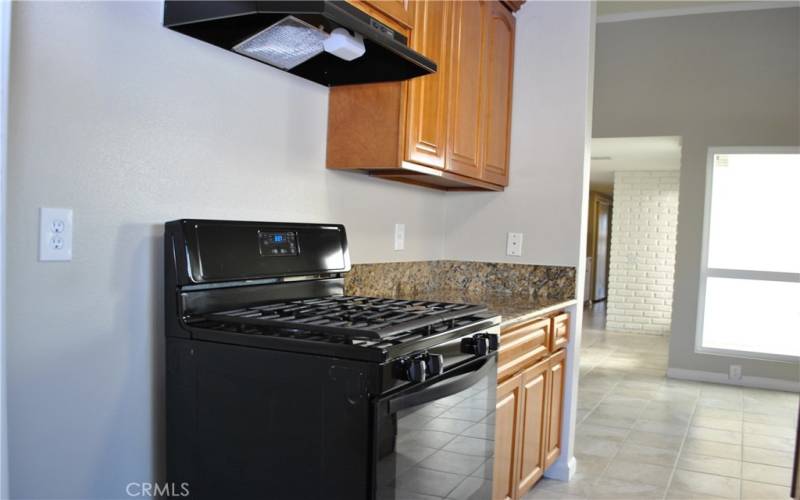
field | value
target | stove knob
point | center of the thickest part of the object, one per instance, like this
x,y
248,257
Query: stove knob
x,y
494,340
414,369
435,364
478,345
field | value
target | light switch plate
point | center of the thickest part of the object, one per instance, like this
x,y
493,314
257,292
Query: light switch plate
x,y
55,234
514,244
399,236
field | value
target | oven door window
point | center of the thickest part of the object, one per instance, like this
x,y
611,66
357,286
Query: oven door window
x,y
443,447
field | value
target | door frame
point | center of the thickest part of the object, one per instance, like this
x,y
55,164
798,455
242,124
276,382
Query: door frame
x,y
596,197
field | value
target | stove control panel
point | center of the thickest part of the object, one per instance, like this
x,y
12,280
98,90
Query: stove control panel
x,y
277,244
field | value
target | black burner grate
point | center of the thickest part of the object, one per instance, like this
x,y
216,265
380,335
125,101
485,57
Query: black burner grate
x,y
349,316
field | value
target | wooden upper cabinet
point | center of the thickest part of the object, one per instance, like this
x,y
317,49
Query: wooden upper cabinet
x,y
449,130
400,13
427,95
499,81
466,106
534,425
507,420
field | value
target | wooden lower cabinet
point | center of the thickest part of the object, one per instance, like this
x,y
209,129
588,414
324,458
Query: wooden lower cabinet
x,y
529,412
507,420
534,425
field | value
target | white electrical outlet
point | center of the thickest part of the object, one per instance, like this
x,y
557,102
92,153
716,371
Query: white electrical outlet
x,y
399,236
514,244
55,234
735,372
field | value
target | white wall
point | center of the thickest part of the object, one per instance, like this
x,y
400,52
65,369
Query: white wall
x,y
5,39
725,79
131,125
642,261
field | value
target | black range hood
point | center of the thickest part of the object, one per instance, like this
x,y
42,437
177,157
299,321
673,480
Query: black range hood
x,y
281,33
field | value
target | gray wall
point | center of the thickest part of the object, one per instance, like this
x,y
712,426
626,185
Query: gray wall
x,y
131,125
728,79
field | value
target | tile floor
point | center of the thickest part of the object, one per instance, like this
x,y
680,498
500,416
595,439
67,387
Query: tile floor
x,y
641,435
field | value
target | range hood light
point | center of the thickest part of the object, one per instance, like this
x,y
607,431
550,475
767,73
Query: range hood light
x,y
344,45
286,44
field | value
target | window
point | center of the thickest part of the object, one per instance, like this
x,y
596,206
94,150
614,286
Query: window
x,y
750,276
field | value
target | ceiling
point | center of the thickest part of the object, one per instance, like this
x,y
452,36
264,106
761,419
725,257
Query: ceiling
x,y
614,154
609,11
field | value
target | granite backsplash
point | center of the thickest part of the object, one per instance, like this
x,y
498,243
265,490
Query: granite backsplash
x,y
553,283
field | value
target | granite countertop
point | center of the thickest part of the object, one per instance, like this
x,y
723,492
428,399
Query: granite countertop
x,y
512,307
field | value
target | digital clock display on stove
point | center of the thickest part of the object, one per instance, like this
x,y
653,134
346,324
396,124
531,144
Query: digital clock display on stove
x,y
277,244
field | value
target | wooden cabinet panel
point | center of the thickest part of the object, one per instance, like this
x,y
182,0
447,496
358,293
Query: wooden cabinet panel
x,y
507,420
557,363
396,14
534,424
466,113
427,95
499,76
559,332
522,346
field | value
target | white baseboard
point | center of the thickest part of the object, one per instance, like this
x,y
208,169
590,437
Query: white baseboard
x,y
562,470
722,378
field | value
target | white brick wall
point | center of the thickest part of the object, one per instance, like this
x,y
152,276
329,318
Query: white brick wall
x,y
642,263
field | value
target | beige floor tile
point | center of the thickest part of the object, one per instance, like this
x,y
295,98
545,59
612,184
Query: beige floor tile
x,y
705,484
768,457
590,467
676,494
782,476
551,488
616,421
633,452
760,491
768,430
710,465
713,449
608,488
588,431
718,413
655,475
779,420
720,436
769,442
661,427
655,440
596,447
715,423
724,404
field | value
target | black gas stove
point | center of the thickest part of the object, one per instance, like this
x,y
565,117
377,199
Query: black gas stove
x,y
280,386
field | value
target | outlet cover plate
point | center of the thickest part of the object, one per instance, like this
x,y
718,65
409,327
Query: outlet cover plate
x,y
514,244
399,236
55,234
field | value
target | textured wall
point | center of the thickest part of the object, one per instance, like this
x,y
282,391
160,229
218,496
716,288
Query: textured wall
x,y
642,263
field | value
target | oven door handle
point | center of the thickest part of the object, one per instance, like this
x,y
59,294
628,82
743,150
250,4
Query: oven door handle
x,y
450,383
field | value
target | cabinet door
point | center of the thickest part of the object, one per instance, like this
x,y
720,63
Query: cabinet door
x,y
559,332
467,61
499,79
507,421
397,9
556,370
534,425
427,95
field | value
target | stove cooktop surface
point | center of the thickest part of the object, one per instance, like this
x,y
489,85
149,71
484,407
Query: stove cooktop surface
x,y
364,320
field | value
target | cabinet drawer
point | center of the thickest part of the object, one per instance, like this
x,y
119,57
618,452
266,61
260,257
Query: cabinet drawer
x,y
559,332
522,347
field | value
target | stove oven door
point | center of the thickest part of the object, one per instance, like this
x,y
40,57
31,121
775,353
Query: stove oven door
x,y
435,440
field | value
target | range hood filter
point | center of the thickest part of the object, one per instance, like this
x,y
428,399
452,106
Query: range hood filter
x,y
286,44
